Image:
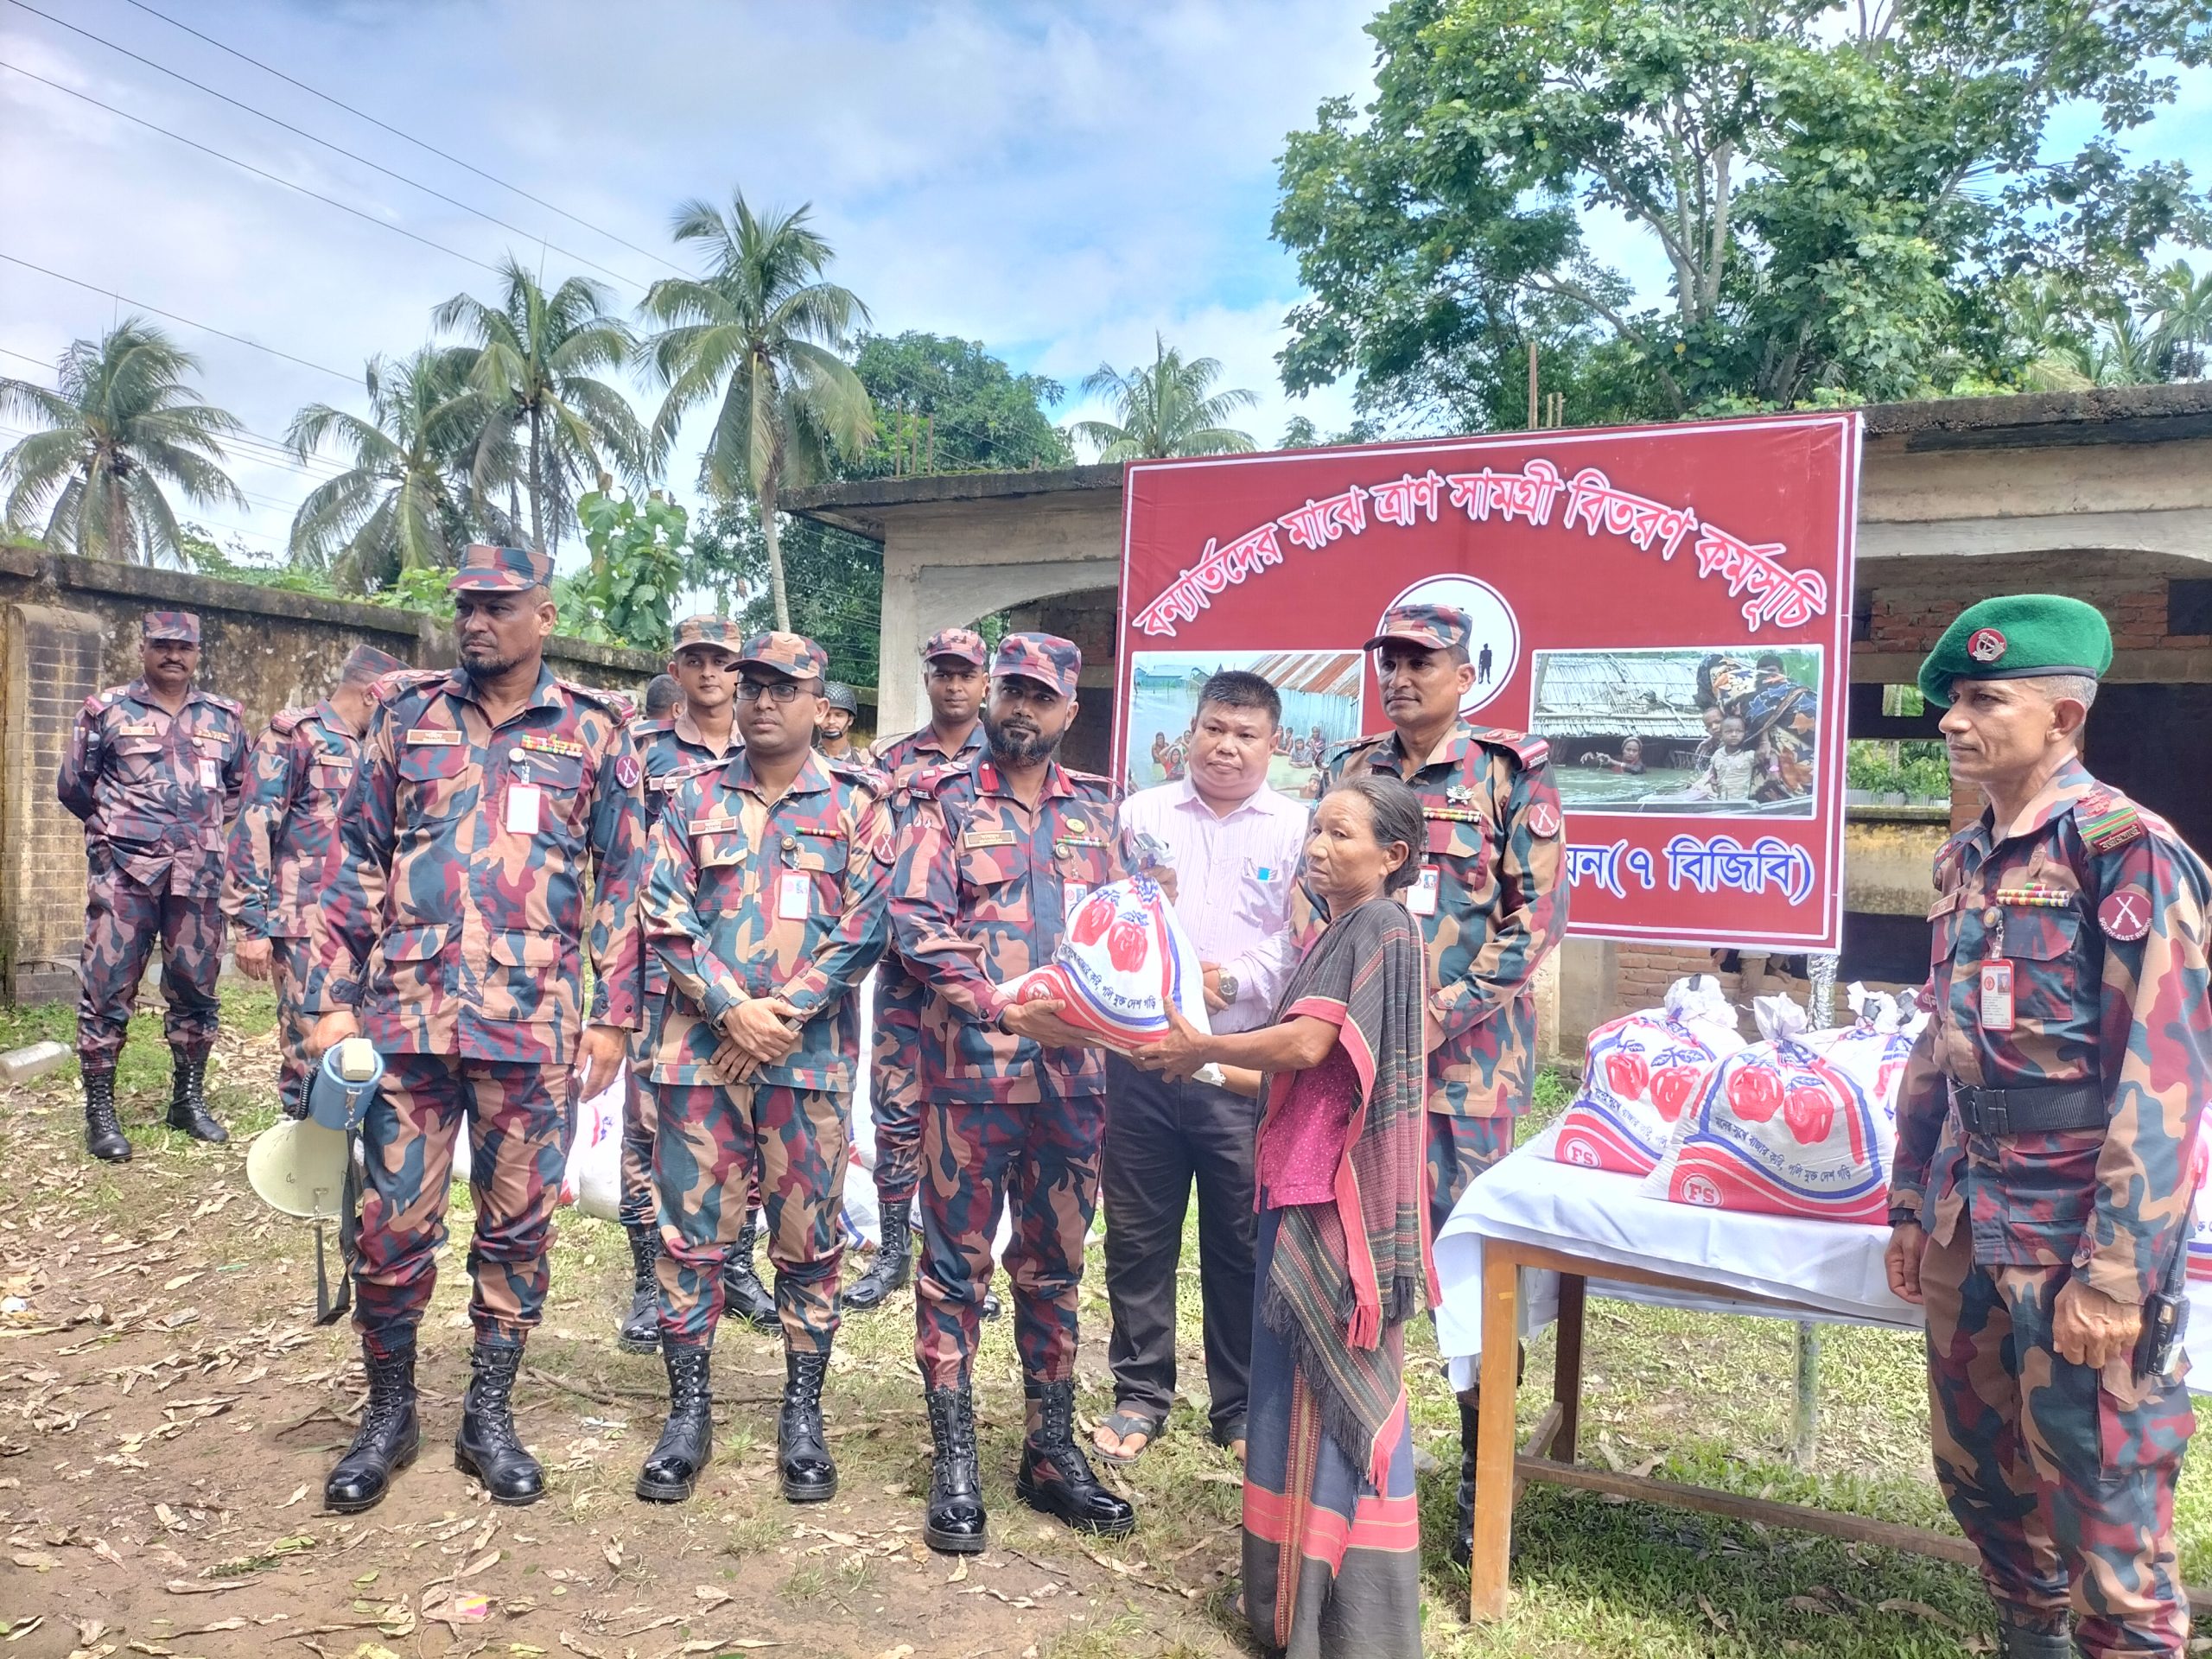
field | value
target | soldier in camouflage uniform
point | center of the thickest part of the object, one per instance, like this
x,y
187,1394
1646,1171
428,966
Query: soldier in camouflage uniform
x,y
766,902
2041,1189
841,707
701,732
1491,903
152,771
491,843
954,680
284,850
994,856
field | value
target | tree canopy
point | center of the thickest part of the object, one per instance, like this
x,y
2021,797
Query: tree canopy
x,y
1167,407
1847,200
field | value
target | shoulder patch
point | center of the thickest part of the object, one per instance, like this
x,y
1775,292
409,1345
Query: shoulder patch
x,y
2108,821
1529,749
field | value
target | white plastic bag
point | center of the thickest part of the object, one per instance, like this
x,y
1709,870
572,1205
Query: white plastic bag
x,y
1641,1072
1122,962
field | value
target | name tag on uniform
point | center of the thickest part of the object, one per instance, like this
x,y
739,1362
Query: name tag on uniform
x,y
794,895
523,803
146,729
1997,995
988,838
1420,898
211,773
434,736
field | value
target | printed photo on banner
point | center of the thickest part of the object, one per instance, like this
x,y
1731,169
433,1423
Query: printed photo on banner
x,y
1320,692
1714,731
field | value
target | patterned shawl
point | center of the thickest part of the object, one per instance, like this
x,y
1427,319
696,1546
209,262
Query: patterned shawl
x,y
1347,1275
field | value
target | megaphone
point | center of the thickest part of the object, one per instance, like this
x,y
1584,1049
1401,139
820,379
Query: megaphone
x,y
339,1092
299,1167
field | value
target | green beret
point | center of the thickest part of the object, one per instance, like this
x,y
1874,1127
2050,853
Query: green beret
x,y
2016,637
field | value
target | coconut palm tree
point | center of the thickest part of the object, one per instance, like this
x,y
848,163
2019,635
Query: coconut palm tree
x,y
2181,315
121,423
536,355
404,502
760,330
1169,408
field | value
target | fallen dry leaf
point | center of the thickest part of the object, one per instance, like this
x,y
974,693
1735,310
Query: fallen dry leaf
x,y
1918,1610
298,1492
37,1560
613,1552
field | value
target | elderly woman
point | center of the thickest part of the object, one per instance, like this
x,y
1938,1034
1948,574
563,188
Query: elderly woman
x,y
1331,1538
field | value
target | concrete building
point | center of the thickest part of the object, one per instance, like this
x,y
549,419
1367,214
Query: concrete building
x,y
2105,495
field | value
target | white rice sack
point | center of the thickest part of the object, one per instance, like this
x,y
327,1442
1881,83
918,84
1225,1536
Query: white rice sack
x,y
1642,1072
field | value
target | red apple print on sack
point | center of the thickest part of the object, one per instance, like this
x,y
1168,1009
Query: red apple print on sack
x,y
1090,921
1756,1094
1671,1089
1627,1073
1810,1112
1125,943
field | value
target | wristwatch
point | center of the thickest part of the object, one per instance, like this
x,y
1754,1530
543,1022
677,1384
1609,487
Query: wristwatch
x,y
1226,984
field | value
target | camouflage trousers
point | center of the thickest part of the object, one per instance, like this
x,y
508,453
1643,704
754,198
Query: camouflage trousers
x,y
1041,1160
288,962
2062,1477
519,1118
709,1143
121,920
1460,1149
894,1101
636,1207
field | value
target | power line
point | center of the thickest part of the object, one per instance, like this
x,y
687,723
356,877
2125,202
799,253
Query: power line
x,y
452,202
396,132
248,167
207,329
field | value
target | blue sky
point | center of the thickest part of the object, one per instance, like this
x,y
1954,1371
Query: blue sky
x,y
1057,180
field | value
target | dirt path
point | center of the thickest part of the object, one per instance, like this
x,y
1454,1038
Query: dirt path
x,y
168,1411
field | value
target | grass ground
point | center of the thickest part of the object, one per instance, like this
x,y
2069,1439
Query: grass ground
x,y
167,1413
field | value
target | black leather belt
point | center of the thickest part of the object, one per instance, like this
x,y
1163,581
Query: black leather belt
x,y
2026,1111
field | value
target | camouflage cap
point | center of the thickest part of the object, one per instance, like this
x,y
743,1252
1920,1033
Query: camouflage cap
x,y
2016,636
964,643
181,626
488,569
838,694
787,653
366,662
1045,658
1433,627
709,631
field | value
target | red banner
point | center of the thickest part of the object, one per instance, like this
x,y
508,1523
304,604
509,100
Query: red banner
x,y
1668,606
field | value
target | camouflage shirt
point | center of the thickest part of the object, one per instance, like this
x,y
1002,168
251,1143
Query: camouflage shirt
x,y
284,850
751,897
1494,908
153,789
667,748
459,917
898,761
981,895
2100,909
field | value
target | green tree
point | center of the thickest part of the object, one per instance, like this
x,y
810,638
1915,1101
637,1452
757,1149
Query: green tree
x,y
1167,408
402,502
759,331
536,356
836,583
1835,193
637,569
947,405
120,424
2181,303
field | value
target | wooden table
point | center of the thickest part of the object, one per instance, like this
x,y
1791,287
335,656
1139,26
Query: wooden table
x,y
1499,1471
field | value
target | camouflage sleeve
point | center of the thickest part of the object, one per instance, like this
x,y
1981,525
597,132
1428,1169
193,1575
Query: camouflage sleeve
x,y
367,832
619,851
234,772
671,917
2155,1013
1922,1100
925,917
80,765
250,859
843,960
1531,915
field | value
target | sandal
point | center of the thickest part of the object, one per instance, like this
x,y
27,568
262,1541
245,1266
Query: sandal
x,y
1126,1420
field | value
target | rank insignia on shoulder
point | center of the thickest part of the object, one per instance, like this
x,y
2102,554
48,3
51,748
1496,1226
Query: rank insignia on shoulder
x,y
434,736
2107,821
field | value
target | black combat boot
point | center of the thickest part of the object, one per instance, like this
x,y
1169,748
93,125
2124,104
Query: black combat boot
x,y
189,1098
1056,1477
955,1521
893,1267
687,1438
743,1294
103,1136
487,1446
802,1454
385,1443
990,1307
639,1333
1462,1531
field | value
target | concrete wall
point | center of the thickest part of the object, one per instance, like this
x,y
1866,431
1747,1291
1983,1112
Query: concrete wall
x,y
69,627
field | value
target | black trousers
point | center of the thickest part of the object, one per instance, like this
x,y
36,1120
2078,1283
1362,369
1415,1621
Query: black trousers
x,y
1160,1137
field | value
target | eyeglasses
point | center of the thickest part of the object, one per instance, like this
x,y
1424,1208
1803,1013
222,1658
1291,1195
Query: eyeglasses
x,y
774,690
